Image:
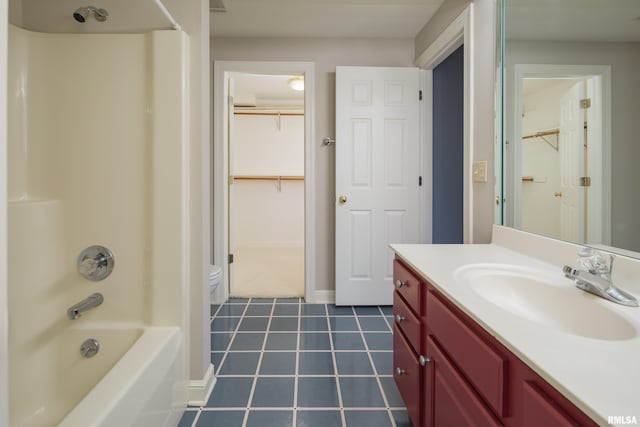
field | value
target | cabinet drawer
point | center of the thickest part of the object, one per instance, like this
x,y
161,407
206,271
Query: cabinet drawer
x,y
406,373
482,365
540,410
408,323
454,402
408,285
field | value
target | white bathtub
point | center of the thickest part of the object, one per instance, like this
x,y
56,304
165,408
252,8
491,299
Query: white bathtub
x,y
144,389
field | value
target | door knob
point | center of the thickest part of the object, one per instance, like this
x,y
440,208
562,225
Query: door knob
x,y
557,194
342,199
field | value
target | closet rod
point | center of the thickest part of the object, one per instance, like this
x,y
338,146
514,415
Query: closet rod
x,y
545,133
267,178
255,113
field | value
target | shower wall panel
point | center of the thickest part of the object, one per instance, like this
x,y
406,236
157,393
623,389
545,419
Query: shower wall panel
x,y
96,156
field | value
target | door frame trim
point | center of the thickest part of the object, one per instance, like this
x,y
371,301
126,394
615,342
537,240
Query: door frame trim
x,y
222,72
603,72
458,33
4,305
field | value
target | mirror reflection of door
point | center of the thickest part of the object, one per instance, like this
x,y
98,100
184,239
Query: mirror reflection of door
x,y
555,132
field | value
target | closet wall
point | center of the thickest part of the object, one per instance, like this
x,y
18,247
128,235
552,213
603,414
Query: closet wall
x,y
540,161
267,218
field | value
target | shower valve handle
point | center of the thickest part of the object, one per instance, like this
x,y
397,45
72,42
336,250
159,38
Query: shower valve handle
x,y
95,263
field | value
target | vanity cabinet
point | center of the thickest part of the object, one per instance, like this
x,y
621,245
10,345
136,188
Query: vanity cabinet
x,y
452,372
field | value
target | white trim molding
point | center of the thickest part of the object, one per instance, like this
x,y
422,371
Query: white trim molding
x,y
426,159
200,390
321,296
458,33
4,305
222,71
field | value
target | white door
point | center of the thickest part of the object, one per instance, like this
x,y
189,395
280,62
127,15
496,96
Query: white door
x,y
571,141
377,173
230,168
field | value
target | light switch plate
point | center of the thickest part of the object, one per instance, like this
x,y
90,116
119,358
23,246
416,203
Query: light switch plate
x,y
480,171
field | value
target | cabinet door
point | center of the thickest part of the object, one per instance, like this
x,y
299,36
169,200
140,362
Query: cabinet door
x,y
407,322
539,409
408,285
406,373
448,399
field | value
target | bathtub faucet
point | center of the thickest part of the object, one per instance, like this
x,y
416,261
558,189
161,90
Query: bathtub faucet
x,y
91,301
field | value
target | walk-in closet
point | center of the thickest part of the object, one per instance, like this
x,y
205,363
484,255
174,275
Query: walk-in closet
x,y
266,209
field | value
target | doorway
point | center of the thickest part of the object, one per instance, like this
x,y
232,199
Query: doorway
x,y
448,149
266,190
225,184
561,135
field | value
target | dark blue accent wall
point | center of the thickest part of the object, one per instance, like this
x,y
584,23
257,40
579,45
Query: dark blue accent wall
x,y
448,148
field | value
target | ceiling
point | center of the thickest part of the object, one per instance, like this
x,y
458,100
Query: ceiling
x,y
323,18
264,90
531,86
573,20
125,16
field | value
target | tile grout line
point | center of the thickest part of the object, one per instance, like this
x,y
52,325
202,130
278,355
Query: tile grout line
x,y
375,370
255,377
297,367
234,333
296,376
335,369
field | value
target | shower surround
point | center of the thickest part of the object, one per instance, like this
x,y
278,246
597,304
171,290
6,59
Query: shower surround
x,y
97,155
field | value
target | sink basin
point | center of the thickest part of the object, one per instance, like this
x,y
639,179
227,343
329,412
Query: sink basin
x,y
545,299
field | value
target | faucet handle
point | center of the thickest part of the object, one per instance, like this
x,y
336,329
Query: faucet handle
x,y
595,262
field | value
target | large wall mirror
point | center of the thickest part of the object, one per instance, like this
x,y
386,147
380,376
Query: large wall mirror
x,y
571,120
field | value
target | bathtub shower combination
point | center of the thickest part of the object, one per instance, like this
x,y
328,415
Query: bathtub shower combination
x,y
97,155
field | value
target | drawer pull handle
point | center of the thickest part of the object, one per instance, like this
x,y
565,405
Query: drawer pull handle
x,y
399,318
400,371
400,283
424,361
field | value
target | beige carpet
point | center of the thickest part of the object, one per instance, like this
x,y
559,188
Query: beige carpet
x,y
268,272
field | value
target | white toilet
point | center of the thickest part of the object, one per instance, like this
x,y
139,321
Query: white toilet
x,y
215,274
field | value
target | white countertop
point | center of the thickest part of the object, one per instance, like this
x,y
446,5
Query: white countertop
x,y
600,377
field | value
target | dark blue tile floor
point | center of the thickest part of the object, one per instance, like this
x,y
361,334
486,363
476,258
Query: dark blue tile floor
x,y
281,362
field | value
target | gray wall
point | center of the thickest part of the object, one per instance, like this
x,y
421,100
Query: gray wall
x,y
483,66
448,11
326,54
624,59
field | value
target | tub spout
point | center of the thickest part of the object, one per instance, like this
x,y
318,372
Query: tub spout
x,y
76,310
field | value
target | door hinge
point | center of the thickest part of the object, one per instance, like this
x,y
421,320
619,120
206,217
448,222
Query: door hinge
x,y
419,181
585,181
419,95
230,258
585,103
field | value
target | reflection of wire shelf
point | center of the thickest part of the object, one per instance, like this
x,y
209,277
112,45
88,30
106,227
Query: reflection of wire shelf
x,y
537,179
276,178
542,134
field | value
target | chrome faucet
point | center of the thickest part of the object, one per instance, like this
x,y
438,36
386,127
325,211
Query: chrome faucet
x,y
91,301
596,277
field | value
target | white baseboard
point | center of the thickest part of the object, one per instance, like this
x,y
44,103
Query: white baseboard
x,y
200,390
323,297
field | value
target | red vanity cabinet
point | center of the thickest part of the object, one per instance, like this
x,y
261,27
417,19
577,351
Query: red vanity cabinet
x,y
449,399
407,339
465,376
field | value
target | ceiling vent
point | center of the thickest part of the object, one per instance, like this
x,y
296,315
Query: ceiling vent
x,y
217,6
